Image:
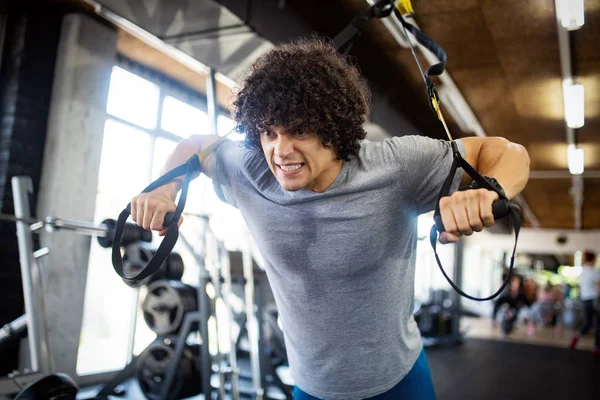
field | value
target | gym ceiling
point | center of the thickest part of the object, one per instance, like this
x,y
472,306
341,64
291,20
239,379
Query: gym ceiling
x,y
504,58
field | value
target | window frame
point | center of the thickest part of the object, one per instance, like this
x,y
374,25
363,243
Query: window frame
x,y
166,87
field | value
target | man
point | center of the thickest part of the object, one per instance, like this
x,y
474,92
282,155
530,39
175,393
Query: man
x,y
335,217
589,286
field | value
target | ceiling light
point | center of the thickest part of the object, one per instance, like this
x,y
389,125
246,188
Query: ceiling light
x,y
573,98
575,160
571,14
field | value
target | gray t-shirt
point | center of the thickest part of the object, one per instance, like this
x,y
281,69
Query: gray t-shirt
x,y
341,263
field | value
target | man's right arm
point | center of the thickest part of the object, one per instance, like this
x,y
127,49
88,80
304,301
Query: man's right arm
x,y
149,209
182,152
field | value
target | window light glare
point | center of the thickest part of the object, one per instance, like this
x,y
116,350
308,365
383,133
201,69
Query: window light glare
x,y
183,119
574,99
571,14
132,98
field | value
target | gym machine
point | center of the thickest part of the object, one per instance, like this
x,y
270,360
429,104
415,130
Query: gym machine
x,y
170,367
33,323
137,251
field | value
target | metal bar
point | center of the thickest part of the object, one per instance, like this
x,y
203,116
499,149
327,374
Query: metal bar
x,y
133,330
198,34
188,319
157,132
212,251
258,300
123,375
155,42
35,310
211,101
561,174
12,329
204,307
53,224
13,384
564,48
576,193
251,323
12,218
227,292
457,277
82,227
3,23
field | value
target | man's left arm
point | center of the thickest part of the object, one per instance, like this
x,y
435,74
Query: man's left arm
x,y
465,212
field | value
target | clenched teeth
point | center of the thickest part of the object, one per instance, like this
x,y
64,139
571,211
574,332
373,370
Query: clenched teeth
x,y
291,167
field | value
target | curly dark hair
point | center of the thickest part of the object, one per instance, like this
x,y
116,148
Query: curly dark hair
x,y
306,86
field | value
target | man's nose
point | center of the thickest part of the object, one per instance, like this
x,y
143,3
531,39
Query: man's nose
x,y
283,146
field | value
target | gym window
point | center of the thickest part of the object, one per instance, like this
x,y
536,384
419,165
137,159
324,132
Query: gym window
x,y
147,115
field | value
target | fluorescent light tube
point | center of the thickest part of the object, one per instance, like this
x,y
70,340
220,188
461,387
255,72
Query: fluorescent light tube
x,y
575,160
571,14
573,98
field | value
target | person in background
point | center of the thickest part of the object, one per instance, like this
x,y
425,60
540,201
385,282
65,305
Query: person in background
x,y
513,296
589,284
544,312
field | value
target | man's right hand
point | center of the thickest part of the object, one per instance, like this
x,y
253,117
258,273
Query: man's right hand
x,y
148,210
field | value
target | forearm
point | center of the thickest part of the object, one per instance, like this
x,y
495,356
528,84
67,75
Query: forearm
x,y
182,152
507,162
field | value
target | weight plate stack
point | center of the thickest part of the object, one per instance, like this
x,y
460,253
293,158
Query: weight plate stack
x,y
131,233
153,369
166,303
55,387
137,256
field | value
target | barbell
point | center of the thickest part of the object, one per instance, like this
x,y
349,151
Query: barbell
x,y
105,232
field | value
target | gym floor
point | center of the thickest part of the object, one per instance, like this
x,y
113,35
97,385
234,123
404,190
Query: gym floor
x,y
482,328
492,369
497,369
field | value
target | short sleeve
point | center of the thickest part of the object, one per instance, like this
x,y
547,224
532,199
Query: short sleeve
x,y
423,165
226,164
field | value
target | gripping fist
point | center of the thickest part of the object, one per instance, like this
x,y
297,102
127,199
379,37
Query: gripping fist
x,y
465,212
149,209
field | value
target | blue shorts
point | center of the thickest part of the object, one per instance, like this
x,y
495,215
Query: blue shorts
x,y
417,384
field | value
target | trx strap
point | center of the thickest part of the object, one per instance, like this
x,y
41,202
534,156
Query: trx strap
x,y
500,208
350,34
191,169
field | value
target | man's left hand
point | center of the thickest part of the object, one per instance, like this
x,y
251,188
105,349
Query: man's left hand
x,y
465,212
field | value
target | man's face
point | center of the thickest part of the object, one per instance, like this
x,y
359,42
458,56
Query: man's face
x,y
299,160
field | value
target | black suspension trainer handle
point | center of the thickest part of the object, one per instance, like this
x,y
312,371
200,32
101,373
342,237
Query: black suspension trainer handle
x,y
514,211
501,208
190,169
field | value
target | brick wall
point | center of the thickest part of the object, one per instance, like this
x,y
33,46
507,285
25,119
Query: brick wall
x,y
26,77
